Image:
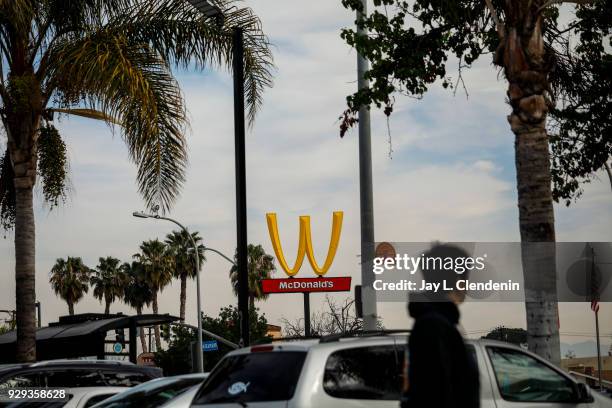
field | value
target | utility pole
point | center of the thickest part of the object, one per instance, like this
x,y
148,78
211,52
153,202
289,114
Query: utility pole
x,y
365,190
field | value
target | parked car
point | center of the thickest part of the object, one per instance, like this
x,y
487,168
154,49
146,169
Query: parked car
x,y
184,400
77,398
87,397
153,393
368,372
75,374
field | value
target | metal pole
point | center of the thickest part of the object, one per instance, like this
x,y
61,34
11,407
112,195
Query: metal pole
x,y
39,314
307,314
200,352
595,277
212,335
598,349
133,346
365,189
241,214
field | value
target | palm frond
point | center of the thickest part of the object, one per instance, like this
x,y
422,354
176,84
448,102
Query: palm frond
x,y
130,83
184,37
87,113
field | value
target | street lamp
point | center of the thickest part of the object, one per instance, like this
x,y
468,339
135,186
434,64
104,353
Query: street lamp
x,y
212,11
200,353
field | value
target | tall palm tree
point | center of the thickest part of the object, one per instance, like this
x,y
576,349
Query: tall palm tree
x,y
260,266
108,281
69,279
137,292
158,268
181,249
107,60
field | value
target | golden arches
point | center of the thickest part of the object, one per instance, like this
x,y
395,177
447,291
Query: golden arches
x,y
305,244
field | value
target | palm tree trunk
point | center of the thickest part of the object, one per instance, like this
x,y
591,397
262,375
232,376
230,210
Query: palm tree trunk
x,y
183,297
107,307
157,333
143,341
251,302
526,65
25,294
70,308
537,229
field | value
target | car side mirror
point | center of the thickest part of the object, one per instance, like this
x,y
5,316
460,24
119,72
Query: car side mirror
x,y
583,394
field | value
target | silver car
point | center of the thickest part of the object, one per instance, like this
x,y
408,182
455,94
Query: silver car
x,y
368,372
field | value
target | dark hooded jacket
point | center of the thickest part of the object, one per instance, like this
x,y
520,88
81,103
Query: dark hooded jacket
x,y
442,372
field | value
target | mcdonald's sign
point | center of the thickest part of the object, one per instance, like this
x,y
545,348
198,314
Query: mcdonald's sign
x,y
305,250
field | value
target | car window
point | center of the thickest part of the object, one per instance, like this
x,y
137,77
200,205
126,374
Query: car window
x,y
22,380
70,378
373,372
150,394
254,377
97,398
521,377
123,379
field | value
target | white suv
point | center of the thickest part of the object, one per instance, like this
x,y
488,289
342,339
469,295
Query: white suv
x,y
367,371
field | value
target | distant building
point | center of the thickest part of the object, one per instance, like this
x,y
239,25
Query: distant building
x,y
588,366
274,331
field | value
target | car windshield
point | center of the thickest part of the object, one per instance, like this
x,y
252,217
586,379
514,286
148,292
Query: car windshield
x,y
261,376
151,394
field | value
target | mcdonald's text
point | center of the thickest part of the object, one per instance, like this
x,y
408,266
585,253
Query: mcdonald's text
x,y
302,285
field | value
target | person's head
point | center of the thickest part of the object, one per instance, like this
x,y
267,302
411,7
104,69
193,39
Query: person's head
x,y
445,264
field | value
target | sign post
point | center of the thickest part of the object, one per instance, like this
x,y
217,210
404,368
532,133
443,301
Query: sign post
x,y
307,314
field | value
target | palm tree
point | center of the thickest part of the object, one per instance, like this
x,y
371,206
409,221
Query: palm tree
x,y
137,292
158,268
260,266
108,281
107,60
181,249
527,62
70,280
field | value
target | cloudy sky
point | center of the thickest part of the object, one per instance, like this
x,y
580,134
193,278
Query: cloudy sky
x,y
450,177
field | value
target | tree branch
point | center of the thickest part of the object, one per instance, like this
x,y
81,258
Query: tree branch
x,y
609,171
498,25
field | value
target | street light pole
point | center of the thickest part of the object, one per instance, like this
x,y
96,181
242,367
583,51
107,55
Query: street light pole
x,y
200,352
241,213
214,12
365,189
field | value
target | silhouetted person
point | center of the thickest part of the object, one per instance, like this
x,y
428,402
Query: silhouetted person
x,y
441,371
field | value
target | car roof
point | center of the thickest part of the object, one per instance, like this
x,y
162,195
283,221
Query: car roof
x,y
79,364
309,344
306,345
66,362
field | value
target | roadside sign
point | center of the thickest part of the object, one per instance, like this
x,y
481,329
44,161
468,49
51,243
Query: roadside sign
x,y
210,345
385,250
117,347
307,285
146,359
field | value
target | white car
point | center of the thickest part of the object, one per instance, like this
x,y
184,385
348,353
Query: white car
x,y
154,393
88,396
367,371
78,397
